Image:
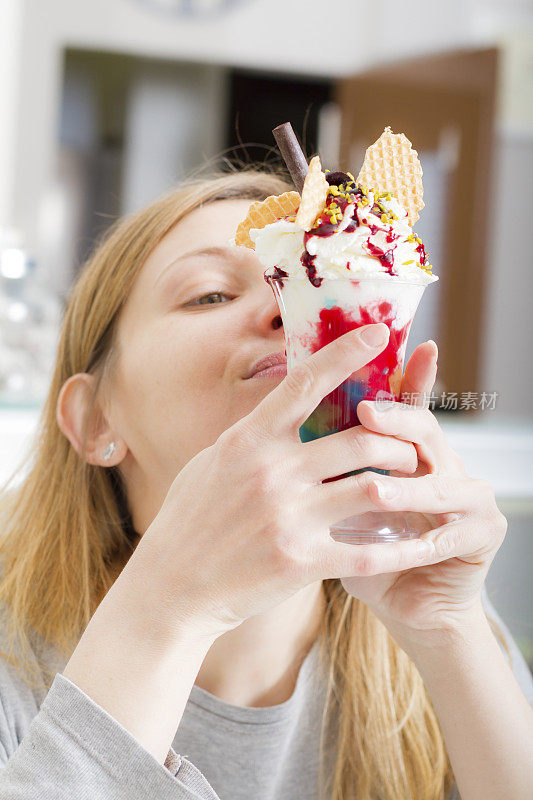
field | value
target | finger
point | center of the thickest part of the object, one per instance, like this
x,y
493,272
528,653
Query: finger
x,y
431,494
420,374
331,502
464,538
417,425
354,448
339,560
287,407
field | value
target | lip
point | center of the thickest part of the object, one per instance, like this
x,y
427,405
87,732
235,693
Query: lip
x,y
273,364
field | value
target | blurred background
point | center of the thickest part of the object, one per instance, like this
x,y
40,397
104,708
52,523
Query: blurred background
x,y
107,103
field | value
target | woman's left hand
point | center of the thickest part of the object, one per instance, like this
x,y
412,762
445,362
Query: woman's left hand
x,y
464,527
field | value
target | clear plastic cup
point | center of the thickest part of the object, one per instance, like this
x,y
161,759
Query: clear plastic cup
x,y
313,316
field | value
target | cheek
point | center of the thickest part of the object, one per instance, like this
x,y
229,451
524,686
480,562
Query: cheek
x,y
179,388
200,366
175,367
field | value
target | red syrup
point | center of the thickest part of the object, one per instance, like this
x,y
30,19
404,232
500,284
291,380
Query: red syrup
x,y
308,262
384,365
421,250
372,378
327,228
323,229
386,257
334,322
278,275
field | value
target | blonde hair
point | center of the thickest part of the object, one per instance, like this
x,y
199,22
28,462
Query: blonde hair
x,y
67,526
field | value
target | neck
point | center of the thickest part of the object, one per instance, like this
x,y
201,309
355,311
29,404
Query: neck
x,y
257,664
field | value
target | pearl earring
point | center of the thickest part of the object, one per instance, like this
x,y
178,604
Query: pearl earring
x,y
110,449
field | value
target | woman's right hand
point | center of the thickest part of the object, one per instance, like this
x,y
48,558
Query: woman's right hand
x,y
245,523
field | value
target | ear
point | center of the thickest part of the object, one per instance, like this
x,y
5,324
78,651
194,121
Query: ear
x,y
72,408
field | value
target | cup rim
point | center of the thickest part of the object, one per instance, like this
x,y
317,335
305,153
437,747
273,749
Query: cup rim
x,y
394,278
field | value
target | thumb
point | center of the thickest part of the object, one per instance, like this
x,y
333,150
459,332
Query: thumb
x,y
420,372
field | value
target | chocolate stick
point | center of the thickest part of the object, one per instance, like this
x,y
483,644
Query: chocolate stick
x,y
292,153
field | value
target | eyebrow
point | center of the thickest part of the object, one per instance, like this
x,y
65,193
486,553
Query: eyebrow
x,y
211,252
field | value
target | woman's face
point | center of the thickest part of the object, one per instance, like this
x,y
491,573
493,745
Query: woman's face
x,y
191,329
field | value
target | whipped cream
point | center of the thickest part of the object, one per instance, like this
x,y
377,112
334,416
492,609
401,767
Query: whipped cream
x,y
372,238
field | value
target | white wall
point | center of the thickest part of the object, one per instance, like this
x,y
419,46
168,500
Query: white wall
x,y
508,363
277,35
175,119
508,323
10,42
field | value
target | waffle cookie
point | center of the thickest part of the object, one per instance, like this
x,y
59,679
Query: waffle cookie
x,y
314,193
391,165
264,212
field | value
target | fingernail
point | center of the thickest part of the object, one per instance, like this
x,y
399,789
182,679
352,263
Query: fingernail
x,y
423,549
431,341
374,335
386,491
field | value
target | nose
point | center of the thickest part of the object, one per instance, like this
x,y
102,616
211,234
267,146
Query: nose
x,y
276,322
268,318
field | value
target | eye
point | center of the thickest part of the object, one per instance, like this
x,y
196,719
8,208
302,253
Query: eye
x,y
208,299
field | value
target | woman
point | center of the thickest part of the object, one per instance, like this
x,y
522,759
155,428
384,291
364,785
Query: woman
x,y
173,520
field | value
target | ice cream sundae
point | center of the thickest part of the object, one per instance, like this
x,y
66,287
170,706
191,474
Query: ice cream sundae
x,y
341,253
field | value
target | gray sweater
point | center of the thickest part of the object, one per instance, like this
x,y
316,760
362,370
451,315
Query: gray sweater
x,y
60,744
